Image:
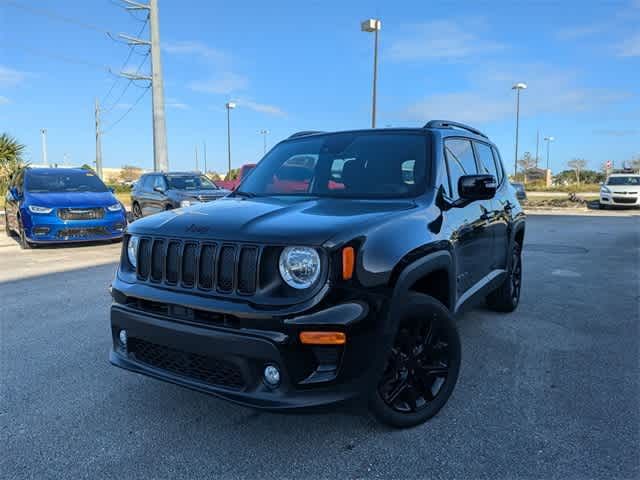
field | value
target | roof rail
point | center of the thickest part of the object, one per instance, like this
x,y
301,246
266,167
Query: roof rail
x,y
449,124
305,133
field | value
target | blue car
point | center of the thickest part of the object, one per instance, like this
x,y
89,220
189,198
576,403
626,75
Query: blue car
x,y
61,205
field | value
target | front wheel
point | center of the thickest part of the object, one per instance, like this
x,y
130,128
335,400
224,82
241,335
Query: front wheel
x,y
422,367
24,243
137,211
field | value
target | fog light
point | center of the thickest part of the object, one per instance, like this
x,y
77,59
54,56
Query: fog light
x,y
271,375
122,336
41,230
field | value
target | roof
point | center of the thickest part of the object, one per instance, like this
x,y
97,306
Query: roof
x,y
58,170
630,174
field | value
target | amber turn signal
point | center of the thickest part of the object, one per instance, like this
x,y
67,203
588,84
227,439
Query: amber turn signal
x,y
347,263
323,338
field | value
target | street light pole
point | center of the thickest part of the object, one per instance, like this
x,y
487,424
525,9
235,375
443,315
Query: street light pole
x,y
517,87
264,134
373,25
44,145
548,140
229,106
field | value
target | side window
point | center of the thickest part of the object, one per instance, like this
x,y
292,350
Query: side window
x,y
499,167
147,183
485,158
159,182
460,161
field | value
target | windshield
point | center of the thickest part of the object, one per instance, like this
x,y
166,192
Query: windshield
x,y
635,181
190,182
357,165
63,182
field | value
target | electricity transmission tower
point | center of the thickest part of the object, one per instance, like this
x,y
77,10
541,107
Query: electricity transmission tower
x,y
160,155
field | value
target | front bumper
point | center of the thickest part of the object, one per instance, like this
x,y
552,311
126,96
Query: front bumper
x,y
622,200
46,229
228,361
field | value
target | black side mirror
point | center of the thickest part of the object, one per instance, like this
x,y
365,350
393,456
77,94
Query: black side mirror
x,y
477,187
158,189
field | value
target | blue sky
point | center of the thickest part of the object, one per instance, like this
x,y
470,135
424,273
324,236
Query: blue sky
x,y
306,65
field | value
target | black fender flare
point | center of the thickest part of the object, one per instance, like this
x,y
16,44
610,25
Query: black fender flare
x,y
441,259
518,226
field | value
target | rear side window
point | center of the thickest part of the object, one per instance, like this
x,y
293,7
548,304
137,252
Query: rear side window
x,y
486,160
460,161
498,159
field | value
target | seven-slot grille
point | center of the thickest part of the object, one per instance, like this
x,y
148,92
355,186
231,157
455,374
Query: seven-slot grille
x,y
224,267
81,213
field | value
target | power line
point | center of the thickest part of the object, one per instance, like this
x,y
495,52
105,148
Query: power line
x,y
124,64
62,58
126,87
110,127
55,16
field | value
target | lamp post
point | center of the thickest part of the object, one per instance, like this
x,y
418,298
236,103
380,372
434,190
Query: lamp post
x,y
373,25
229,106
43,132
264,134
517,87
548,140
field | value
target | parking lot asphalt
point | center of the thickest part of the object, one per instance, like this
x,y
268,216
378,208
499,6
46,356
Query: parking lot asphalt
x,y
550,391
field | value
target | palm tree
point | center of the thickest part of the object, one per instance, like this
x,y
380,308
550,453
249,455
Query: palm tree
x,y
10,160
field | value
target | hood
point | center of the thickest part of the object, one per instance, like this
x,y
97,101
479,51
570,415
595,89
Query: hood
x,y
271,220
197,193
71,199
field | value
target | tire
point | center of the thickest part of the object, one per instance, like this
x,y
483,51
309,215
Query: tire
x,y
506,297
168,207
425,355
137,211
22,239
7,230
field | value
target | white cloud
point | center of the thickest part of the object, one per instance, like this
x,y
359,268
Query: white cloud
x,y
224,84
4,100
443,39
10,77
629,47
550,89
175,103
197,49
262,107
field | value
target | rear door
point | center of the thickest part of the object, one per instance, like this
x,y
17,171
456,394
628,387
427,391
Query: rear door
x,y
146,195
499,216
471,235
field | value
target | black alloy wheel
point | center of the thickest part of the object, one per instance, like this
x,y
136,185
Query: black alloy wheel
x,y
422,367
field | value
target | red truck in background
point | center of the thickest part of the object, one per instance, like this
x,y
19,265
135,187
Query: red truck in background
x,y
233,184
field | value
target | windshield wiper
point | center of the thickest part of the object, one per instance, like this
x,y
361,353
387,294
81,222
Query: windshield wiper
x,y
240,193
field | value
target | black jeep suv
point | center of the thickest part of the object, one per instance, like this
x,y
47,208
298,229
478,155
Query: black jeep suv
x,y
333,272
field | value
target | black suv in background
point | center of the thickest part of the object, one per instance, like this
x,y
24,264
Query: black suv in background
x,y
156,192
338,282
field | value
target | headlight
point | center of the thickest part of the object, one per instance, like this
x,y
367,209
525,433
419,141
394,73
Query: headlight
x,y
604,189
132,250
188,203
299,266
116,207
36,209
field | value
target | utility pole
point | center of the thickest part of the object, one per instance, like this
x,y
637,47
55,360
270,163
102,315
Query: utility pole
x,y
44,146
204,151
264,134
229,106
98,143
517,87
160,155
537,145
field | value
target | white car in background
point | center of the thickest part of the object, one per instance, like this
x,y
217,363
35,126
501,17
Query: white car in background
x,y
620,189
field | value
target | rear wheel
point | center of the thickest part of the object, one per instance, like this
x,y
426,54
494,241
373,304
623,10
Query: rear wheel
x,y
507,296
422,367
